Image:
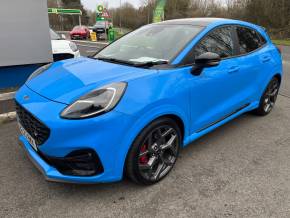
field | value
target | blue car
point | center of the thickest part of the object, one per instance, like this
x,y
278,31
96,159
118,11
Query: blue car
x,y
129,109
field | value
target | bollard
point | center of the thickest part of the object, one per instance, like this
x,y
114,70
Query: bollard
x,y
93,37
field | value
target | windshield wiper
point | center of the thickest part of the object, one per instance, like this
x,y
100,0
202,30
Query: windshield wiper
x,y
114,60
135,64
151,63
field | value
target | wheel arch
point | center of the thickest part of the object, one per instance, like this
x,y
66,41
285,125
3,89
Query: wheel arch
x,y
175,118
145,120
278,76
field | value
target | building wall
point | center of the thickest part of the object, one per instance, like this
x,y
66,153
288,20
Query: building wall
x,y
24,37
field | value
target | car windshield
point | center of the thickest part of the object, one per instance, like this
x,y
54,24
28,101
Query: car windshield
x,y
100,23
151,43
54,35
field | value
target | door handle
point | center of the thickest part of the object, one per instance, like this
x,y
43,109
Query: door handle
x,y
234,69
266,59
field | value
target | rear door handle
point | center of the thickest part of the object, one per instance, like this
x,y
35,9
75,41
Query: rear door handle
x,y
234,69
266,59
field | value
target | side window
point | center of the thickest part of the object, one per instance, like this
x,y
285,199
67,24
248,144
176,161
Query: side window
x,y
219,41
249,40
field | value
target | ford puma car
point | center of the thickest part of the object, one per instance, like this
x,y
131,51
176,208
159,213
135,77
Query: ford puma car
x,y
130,109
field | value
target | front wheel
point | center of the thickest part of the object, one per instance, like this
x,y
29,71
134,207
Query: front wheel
x,y
269,98
154,152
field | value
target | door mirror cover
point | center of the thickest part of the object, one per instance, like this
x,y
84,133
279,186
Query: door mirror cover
x,y
208,59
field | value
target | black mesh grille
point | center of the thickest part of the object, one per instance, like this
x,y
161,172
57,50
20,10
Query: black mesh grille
x,y
33,126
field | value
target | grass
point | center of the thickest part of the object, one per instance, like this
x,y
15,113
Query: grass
x,y
282,42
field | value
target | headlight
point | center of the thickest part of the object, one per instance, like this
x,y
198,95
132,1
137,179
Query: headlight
x,y
73,46
97,102
38,72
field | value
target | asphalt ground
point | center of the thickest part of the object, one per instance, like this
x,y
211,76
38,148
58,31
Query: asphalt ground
x,y
242,169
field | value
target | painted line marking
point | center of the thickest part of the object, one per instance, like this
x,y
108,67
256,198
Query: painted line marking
x,y
7,116
101,43
7,96
88,46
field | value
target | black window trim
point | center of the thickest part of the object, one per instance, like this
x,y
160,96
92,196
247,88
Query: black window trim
x,y
235,41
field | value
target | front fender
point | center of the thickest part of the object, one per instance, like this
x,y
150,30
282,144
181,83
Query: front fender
x,y
145,119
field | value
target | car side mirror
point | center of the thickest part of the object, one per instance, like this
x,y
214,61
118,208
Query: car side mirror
x,y
63,36
208,59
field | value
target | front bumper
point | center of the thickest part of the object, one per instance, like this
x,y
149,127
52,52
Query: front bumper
x,y
104,134
52,174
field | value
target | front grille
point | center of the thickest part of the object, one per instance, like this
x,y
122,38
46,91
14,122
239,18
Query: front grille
x,y
59,57
32,125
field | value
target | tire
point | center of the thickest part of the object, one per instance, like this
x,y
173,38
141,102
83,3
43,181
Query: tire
x,y
268,98
154,152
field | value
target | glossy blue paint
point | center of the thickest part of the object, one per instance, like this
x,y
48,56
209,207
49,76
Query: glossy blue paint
x,y
199,101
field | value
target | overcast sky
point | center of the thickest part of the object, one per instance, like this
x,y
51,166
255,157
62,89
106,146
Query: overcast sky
x,y
91,4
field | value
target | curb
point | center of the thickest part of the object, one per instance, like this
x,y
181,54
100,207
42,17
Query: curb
x,y
8,117
11,116
7,96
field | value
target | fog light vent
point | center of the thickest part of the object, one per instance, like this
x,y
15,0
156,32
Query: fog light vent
x,y
78,163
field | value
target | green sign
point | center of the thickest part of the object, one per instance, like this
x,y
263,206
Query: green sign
x,y
64,11
158,14
100,19
100,8
102,14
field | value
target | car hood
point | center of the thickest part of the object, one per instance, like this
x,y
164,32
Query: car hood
x,y
68,80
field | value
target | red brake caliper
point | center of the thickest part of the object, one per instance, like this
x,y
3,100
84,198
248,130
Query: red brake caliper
x,y
143,159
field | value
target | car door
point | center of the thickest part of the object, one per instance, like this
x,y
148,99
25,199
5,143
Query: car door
x,y
254,59
215,92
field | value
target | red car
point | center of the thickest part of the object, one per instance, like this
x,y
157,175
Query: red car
x,y
80,32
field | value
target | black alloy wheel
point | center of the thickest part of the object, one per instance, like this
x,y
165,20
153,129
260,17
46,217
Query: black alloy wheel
x,y
154,152
269,98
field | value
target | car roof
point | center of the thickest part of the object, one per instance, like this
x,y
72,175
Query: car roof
x,y
204,21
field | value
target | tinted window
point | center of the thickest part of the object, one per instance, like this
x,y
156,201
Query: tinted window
x,y
54,35
249,40
219,41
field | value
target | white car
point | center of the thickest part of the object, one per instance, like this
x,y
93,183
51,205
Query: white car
x,y
61,48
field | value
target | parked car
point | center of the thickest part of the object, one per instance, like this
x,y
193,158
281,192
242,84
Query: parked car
x,y
80,32
129,110
61,48
101,29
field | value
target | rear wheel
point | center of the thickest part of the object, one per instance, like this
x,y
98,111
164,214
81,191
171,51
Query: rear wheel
x,y
269,98
154,152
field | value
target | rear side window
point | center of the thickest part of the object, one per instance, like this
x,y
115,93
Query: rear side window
x,y
249,40
218,41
